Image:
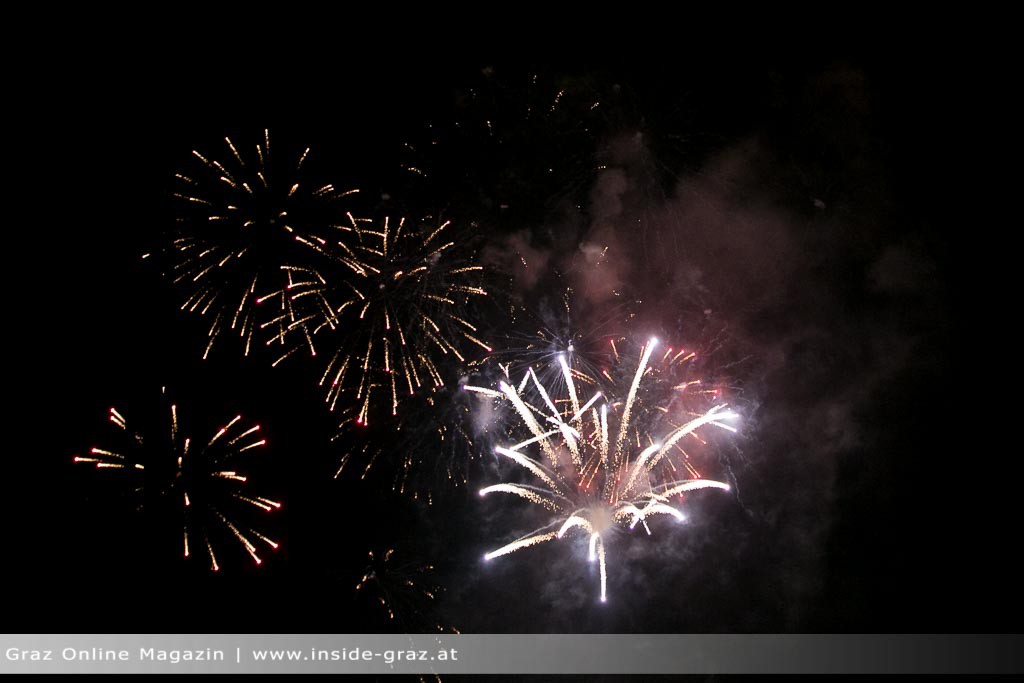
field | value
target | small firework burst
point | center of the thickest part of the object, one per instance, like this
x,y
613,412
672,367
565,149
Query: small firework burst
x,y
404,591
238,248
600,469
196,482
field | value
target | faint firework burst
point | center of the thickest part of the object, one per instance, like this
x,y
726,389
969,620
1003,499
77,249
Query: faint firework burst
x,y
196,483
515,149
402,590
600,467
431,446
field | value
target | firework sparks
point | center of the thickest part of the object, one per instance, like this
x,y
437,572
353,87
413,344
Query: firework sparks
x,y
196,481
550,330
427,448
594,475
238,250
396,308
513,147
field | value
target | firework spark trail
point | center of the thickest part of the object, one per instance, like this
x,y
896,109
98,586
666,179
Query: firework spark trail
x,y
626,412
591,483
237,251
199,484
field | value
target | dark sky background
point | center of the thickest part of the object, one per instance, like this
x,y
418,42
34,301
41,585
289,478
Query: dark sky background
x,y
794,200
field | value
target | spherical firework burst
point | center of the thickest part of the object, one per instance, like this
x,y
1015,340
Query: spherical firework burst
x,y
405,591
391,313
603,469
195,482
238,248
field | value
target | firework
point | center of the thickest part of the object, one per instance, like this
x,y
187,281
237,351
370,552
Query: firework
x,y
546,332
427,445
242,223
598,469
433,443
197,482
516,148
391,313
403,590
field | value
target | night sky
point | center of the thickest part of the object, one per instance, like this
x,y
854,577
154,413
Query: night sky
x,y
788,207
